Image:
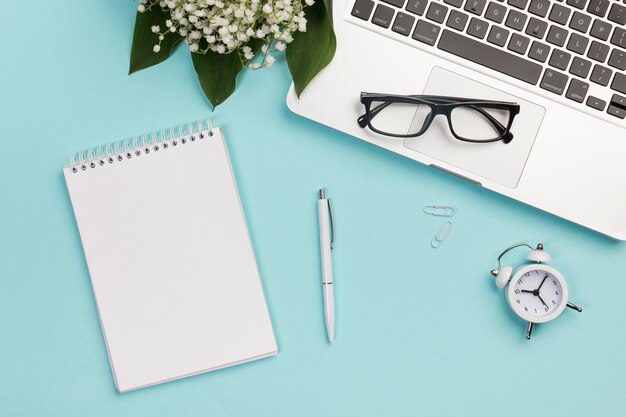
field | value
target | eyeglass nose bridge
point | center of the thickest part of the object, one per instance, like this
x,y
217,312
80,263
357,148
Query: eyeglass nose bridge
x,y
434,112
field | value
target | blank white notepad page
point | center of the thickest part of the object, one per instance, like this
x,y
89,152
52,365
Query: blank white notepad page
x,y
170,260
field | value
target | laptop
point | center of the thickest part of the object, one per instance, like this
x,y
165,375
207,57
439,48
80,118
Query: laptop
x,y
563,62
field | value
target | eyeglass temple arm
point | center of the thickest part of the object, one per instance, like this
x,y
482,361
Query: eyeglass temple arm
x,y
501,128
373,112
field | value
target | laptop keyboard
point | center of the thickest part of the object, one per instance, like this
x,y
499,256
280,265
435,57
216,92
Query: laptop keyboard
x,y
565,47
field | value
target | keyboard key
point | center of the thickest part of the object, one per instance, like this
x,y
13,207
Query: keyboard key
x,y
580,22
516,20
618,59
477,28
596,103
560,59
363,9
539,51
495,12
382,16
577,90
579,4
455,3
498,36
457,20
619,37
580,67
437,12
616,111
577,43
618,14
618,100
397,3
417,7
520,4
600,30
601,75
475,6
539,7
426,32
518,43
536,28
557,35
619,82
598,51
560,14
403,24
598,7
489,56
554,81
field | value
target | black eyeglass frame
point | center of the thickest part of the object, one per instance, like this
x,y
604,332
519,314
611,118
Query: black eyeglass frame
x,y
439,105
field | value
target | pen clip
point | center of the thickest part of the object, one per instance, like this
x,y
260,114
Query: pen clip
x,y
332,225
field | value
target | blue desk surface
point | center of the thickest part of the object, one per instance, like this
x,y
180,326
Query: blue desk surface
x,y
420,331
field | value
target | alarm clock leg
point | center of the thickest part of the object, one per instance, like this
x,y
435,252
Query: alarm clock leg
x,y
574,307
530,330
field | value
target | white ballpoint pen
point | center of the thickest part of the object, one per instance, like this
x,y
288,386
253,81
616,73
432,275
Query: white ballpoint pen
x,y
327,238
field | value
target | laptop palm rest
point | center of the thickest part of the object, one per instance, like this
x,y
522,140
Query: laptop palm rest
x,y
499,162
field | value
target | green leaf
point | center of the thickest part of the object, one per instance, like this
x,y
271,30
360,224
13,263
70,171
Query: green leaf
x,y
329,10
311,51
217,74
141,54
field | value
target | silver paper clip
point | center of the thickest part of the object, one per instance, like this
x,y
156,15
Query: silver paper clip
x,y
441,235
442,211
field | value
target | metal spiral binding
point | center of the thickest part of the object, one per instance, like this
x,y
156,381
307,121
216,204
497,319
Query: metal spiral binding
x,y
140,145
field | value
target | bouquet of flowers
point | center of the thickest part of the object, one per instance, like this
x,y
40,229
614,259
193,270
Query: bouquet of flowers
x,y
226,36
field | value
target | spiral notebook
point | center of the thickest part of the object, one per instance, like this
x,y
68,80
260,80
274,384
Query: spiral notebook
x,y
171,263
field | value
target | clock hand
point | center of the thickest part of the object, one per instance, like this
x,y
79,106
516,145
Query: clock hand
x,y
528,291
544,280
544,303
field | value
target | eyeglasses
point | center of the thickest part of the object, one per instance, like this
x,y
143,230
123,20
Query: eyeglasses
x,y
469,120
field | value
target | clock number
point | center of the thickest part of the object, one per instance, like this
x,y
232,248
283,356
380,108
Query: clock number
x,y
553,302
553,282
556,293
519,281
546,308
535,311
517,301
527,274
546,276
525,308
517,291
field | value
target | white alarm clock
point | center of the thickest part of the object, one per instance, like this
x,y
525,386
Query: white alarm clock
x,y
536,292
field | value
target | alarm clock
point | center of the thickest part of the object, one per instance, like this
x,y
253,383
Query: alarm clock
x,y
536,292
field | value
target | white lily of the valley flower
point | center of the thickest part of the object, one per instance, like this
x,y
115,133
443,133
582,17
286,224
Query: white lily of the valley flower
x,y
225,26
269,61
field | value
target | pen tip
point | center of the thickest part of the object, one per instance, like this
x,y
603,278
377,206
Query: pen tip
x,y
322,193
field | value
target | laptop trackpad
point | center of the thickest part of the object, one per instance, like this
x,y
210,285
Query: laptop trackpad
x,y
497,161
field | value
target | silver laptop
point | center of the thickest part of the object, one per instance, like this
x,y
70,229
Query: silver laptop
x,y
563,62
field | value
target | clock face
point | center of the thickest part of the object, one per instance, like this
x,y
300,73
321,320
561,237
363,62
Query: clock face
x,y
537,293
